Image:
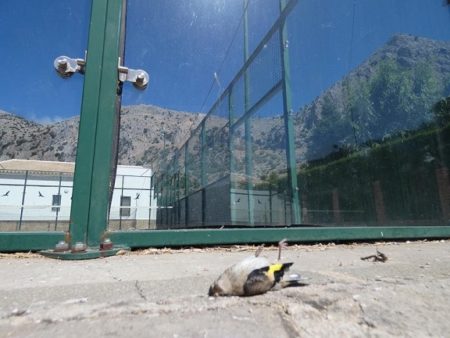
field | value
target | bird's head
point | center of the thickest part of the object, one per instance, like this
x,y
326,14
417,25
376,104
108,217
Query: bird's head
x,y
215,290
222,286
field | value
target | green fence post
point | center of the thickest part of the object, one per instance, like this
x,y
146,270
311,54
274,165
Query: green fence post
x,y
90,202
104,141
24,193
247,125
231,153
186,182
203,166
88,122
287,110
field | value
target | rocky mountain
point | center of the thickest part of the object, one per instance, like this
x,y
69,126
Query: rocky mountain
x,y
393,91
148,133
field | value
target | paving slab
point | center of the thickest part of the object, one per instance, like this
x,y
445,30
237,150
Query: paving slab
x,y
163,293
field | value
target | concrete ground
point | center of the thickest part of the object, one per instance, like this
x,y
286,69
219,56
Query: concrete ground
x,y
163,293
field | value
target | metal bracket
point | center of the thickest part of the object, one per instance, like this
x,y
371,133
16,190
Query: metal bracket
x,y
66,66
138,77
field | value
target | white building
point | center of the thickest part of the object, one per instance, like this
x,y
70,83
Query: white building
x,y
37,195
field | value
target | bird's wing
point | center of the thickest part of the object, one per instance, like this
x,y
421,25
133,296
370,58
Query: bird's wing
x,y
232,280
263,279
258,282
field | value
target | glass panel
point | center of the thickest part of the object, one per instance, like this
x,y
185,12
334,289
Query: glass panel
x,y
216,143
369,87
39,111
260,80
238,179
336,116
269,190
193,163
262,14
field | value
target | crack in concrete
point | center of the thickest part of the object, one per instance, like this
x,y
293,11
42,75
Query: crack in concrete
x,y
364,320
288,322
139,290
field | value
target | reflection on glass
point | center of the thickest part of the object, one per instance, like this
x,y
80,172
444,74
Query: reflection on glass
x,y
39,111
269,193
373,130
353,96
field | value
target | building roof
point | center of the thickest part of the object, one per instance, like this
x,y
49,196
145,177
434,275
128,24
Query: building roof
x,y
55,168
35,165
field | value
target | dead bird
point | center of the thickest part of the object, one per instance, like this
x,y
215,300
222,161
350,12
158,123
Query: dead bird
x,y
254,275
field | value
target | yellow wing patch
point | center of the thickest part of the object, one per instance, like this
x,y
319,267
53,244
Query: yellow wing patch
x,y
273,268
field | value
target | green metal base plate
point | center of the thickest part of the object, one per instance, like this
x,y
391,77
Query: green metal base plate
x,y
90,253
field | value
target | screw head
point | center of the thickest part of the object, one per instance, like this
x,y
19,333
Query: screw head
x,y
140,77
62,64
141,80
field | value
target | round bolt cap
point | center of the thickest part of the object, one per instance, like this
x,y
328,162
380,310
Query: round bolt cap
x,y
61,246
79,247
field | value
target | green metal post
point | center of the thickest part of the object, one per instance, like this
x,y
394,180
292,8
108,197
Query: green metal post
x,y
289,127
24,192
186,182
156,192
90,203
169,198
99,212
203,155
177,194
122,183
203,178
166,198
59,206
247,125
231,152
174,192
150,206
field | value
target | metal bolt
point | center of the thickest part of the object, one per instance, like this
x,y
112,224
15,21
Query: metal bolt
x,y
107,244
140,78
61,246
62,64
79,247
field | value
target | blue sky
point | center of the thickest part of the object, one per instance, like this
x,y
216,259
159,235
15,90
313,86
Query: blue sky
x,y
183,43
32,35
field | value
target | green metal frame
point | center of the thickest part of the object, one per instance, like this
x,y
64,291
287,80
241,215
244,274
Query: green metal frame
x,y
174,238
90,205
90,201
32,241
91,182
29,240
248,125
289,127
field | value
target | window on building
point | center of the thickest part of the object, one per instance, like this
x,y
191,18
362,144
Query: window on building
x,y
56,202
125,203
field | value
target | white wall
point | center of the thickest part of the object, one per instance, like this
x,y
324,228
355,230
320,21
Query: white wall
x,y
36,207
136,185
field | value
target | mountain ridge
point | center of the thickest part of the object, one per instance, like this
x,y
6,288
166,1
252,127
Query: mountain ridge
x,y
150,134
